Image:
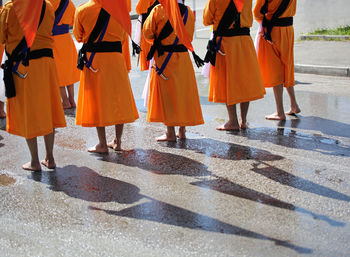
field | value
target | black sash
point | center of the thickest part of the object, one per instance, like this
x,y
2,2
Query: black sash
x,y
231,15
275,21
90,46
164,33
20,54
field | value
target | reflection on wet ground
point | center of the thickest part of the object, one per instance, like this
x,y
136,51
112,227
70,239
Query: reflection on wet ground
x,y
225,186
223,150
299,183
286,135
159,162
86,184
3,124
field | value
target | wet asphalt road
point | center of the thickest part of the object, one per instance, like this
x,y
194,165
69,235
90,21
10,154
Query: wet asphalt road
x,y
278,189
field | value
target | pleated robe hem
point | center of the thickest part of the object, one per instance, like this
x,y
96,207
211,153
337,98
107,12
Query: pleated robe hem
x,y
38,134
236,101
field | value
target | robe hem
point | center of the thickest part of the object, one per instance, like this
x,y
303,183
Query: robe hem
x,y
106,124
38,134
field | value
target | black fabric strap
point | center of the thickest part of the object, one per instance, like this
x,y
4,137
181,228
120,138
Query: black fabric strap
x,y
105,47
174,48
231,15
60,7
164,33
235,32
101,21
275,21
37,54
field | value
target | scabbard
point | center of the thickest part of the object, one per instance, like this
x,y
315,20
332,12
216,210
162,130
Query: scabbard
x,y
10,90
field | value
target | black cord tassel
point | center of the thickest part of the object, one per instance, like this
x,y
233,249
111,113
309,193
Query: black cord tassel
x,y
199,62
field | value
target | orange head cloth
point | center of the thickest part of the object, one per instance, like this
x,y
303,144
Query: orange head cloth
x,y
239,4
119,10
28,15
172,9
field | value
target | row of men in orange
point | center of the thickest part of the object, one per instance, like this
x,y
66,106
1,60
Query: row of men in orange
x,y
105,96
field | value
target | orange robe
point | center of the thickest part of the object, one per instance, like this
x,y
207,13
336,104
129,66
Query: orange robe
x,y
141,8
126,49
175,102
105,97
276,60
236,77
64,50
36,109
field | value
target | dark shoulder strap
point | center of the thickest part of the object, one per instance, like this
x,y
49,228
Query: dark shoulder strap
x,y
100,23
60,7
145,15
230,15
280,10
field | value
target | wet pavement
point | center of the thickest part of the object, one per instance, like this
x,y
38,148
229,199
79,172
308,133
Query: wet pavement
x,y
277,189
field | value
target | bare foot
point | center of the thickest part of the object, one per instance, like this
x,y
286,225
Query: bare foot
x,y
243,125
98,149
293,110
31,167
181,134
167,138
2,114
275,116
50,164
72,103
66,105
115,145
228,127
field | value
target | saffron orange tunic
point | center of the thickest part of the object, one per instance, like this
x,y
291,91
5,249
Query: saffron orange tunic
x,y
175,102
141,8
276,60
64,50
126,49
236,77
36,109
105,97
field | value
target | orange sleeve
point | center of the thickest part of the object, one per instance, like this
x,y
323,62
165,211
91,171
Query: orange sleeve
x,y
77,28
257,15
209,13
3,24
143,5
150,26
128,3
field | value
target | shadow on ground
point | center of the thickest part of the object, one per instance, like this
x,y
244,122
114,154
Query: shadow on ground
x,y
86,184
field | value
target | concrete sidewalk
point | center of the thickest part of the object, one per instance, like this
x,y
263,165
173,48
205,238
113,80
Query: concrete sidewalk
x,y
323,57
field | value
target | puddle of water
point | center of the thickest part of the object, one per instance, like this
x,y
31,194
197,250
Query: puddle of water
x,y
6,180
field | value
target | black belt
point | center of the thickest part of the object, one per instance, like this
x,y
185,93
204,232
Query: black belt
x,y
33,54
104,47
234,32
174,48
280,22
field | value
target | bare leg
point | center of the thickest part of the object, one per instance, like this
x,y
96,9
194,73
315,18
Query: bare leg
x,y
279,115
2,110
232,124
101,147
244,112
65,101
169,136
294,108
70,89
182,133
116,144
34,164
49,161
